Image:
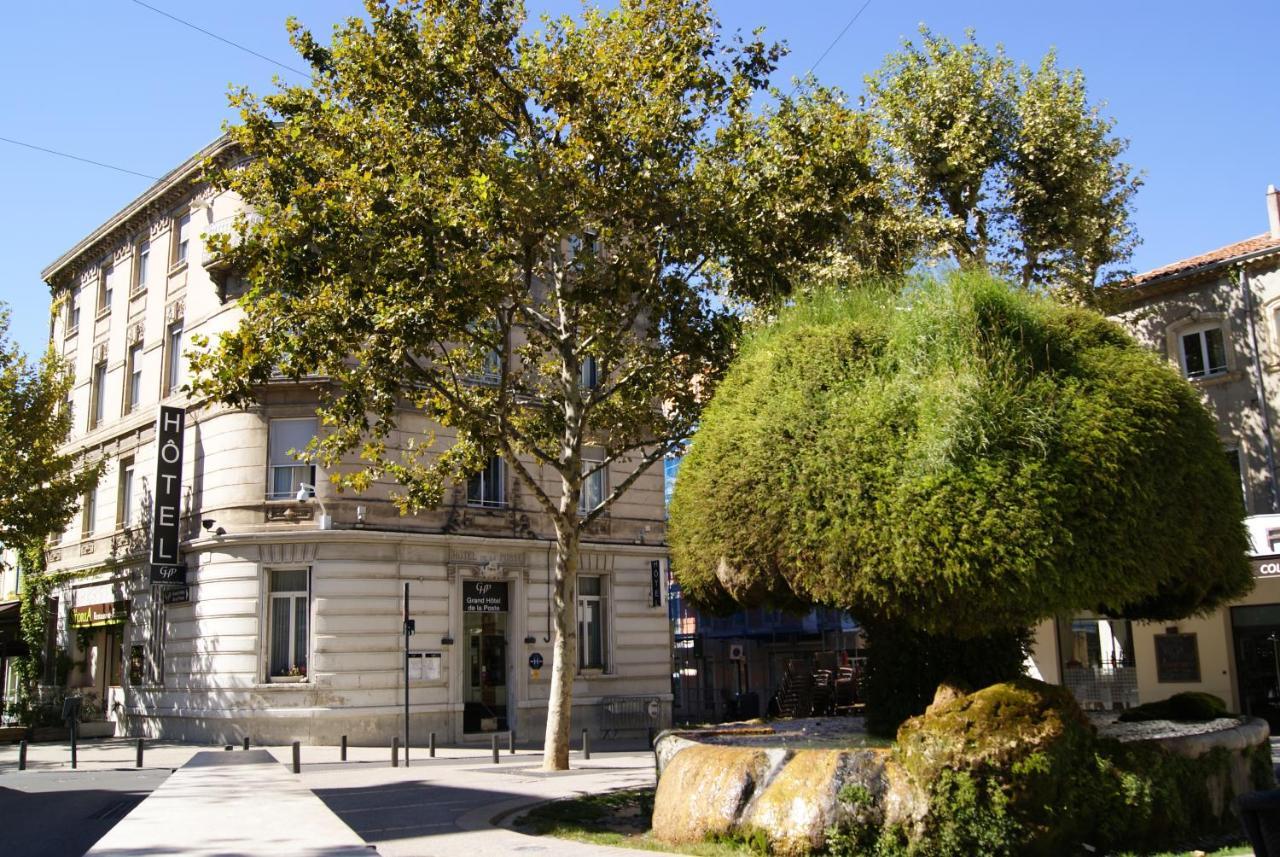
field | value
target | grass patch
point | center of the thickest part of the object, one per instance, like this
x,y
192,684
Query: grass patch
x,y
619,818
622,818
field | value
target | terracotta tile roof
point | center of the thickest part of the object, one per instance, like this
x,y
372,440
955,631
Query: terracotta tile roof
x,y
1222,254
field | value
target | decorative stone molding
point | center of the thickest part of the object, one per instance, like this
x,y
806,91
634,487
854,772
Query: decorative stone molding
x,y
88,276
99,352
158,227
289,512
288,553
86,547
135,333
174,312
122,252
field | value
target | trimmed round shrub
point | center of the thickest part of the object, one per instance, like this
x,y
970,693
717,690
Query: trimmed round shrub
x,y
960,458
1188,707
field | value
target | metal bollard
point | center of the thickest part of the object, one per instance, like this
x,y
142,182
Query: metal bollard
x,y
395,752
297,757
511,741
495,749
246,742
138,761
651,737
22,755
344,748
586,744
431,745
73,745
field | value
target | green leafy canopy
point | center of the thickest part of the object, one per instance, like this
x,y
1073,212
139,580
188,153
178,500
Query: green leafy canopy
x,y
40,485
960,457
455,197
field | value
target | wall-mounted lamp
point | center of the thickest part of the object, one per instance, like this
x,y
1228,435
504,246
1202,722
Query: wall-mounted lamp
x,y
305,492
446,641
361,512
529,640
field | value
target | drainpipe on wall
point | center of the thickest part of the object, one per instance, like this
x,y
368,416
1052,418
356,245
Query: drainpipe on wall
x,y
1259,388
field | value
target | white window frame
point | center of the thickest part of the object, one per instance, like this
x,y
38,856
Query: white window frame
x,y
173,358
601,599
299,471
98,395
1199,332
132,378
73,311
589,373
292,596
124,501
141,255
89,514
595,486
105,275
491,494
180,244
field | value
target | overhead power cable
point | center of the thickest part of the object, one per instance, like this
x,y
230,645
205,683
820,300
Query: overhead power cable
x,y
834,42
78,158
225,41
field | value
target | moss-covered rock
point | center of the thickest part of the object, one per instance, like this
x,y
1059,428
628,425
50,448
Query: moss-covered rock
x,y
815,792
705,789
1009,769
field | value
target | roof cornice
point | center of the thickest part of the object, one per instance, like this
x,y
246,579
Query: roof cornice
x,y
158,195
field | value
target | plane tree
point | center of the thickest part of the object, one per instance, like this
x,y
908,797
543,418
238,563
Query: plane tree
x,y
536,238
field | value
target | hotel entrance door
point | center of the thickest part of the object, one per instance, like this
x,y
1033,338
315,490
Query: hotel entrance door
x,y
484,629
1256,632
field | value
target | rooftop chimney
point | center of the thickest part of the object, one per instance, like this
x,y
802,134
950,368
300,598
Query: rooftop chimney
x,y
1273,210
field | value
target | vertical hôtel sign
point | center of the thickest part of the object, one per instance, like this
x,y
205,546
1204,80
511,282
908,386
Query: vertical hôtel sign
x,y
165,566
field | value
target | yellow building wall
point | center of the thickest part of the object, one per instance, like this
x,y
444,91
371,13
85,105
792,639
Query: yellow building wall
x,y
1216,647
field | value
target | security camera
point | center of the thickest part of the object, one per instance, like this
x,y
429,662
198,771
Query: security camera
x,y
208,523
305,492
220,532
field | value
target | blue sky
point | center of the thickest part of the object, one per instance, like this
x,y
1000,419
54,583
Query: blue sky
x,y
1191,85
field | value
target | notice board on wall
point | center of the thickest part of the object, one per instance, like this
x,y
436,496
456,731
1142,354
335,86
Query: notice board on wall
x,y
424,666
1177,659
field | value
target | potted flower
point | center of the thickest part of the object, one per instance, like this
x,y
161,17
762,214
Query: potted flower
x,y
295,675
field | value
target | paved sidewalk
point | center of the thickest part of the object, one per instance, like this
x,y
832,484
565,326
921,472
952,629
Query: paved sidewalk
x,y
221,804
238,803
460,807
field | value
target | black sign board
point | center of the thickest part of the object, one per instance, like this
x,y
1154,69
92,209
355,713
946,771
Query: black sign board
x,y
1177,658
1266,566
176,595
484,596
655,583
165,567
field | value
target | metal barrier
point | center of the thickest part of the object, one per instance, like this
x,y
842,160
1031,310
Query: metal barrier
x,y
628,712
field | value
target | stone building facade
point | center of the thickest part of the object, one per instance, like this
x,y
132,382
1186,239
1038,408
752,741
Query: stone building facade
x,y
291,623
1216,317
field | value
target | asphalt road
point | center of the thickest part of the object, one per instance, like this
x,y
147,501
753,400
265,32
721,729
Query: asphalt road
x,y
63,813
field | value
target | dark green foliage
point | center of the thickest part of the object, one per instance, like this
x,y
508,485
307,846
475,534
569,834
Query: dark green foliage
x,y
1017,769
961,458
905,667
1191,707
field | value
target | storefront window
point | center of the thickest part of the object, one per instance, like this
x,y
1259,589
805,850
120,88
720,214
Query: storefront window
x,y
1098,661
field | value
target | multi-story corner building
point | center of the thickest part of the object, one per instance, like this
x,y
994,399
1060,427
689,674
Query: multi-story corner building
x,y
1216,317
290,626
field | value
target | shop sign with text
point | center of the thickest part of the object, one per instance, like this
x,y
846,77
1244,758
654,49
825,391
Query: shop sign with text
x,y
484,596
165,564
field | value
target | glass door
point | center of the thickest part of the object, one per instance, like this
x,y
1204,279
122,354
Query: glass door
x,y
485,702
1256,633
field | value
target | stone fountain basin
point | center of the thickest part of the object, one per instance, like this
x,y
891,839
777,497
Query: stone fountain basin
x,y
786,778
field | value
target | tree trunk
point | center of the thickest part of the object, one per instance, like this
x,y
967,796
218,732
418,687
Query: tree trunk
x,y
555,753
